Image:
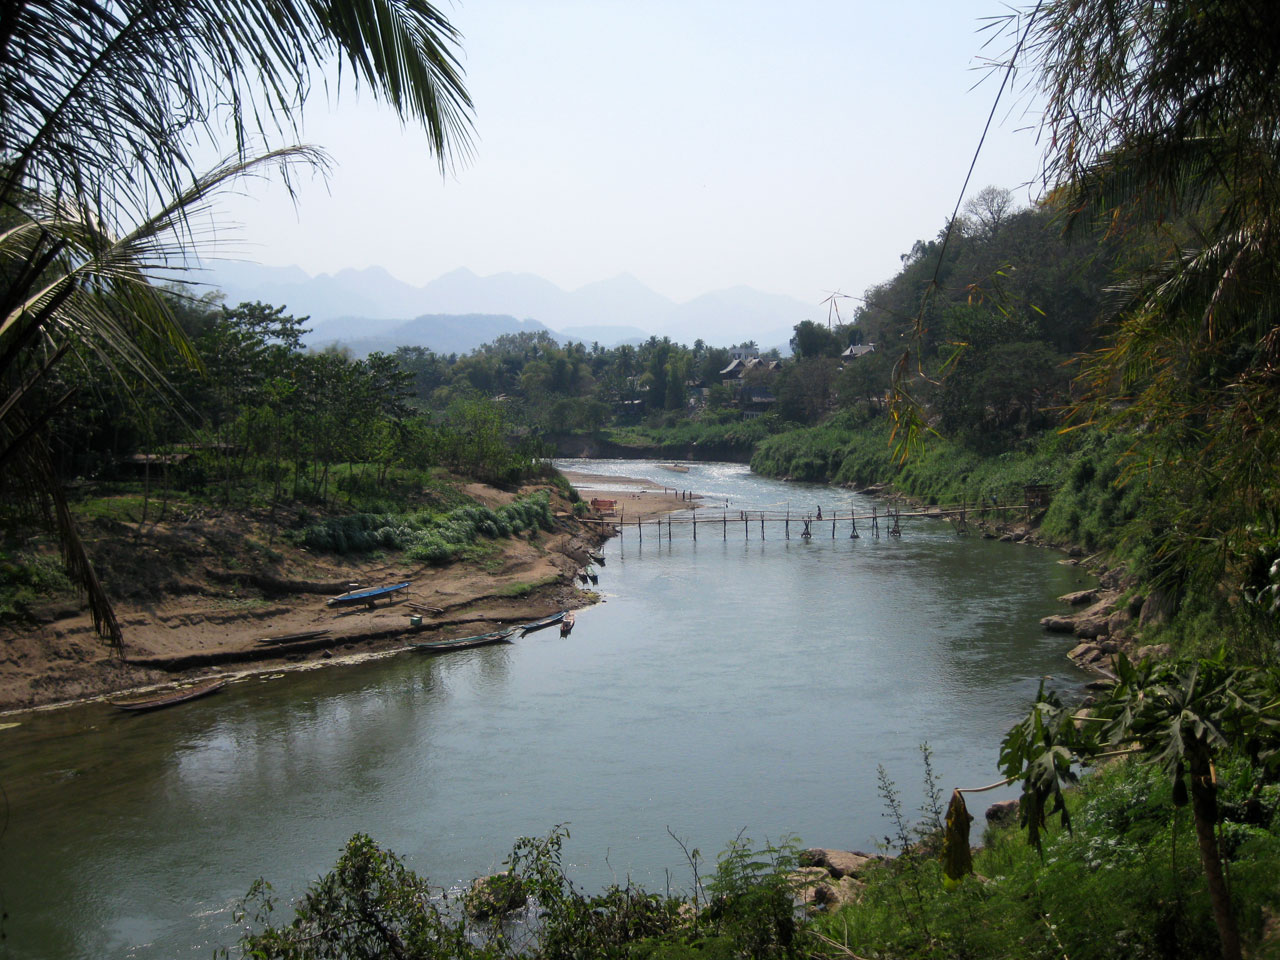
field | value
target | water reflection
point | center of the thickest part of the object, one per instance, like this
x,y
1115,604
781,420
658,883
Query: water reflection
x,y
726,683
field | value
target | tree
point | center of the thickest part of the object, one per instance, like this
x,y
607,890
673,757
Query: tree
x,y
104,106
989,208
814,340
1164,125
1183,717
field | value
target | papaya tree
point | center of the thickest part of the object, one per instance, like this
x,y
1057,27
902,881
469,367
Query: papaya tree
x,y
1183,717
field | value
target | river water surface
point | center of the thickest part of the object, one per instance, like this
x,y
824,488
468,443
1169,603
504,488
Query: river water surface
x,y
725,685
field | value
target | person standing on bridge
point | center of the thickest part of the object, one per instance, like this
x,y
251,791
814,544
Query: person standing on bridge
x,y
819,512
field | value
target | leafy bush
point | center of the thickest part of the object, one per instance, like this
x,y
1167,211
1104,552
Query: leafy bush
x,y
1125,881
371,905
425,536
26,579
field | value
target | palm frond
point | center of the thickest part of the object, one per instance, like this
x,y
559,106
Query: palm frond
x,y
104,100
78,290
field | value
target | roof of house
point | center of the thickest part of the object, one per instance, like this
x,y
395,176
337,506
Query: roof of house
x,y
859,350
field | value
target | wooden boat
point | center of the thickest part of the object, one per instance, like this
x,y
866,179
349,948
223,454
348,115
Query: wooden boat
x,y
542,624
677,467
596,557
169,698
292,637
463,643
365,596
566,625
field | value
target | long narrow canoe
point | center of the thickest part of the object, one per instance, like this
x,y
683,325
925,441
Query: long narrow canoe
x,y
596,557
292,637
463,643
168,699
542,624
366,596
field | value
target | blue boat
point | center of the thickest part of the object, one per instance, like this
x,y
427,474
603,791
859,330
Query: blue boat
x,y
366,596
542,624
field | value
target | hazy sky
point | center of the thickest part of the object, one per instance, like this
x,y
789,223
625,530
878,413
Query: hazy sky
x,y
797,148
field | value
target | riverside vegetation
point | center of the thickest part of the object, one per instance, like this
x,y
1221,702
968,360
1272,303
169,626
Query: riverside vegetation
x,y
1132,370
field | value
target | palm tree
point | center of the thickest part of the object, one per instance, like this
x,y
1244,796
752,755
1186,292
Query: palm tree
x,y
103,107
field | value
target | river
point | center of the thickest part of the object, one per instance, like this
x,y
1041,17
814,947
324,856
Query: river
x,y
725,685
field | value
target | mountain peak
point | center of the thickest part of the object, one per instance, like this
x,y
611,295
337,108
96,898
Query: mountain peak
x,y
727,316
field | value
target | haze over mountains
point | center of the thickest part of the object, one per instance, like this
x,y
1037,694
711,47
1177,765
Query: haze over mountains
x,y
369,309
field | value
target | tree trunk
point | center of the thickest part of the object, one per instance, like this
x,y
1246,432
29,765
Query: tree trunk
x,y
1204,808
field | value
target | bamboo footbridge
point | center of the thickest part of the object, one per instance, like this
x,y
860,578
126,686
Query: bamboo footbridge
x,y
852,525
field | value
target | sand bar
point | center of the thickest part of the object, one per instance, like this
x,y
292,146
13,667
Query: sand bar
x,y
636,499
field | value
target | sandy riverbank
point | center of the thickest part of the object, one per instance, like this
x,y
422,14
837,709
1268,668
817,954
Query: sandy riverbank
x,y
636,499
201,602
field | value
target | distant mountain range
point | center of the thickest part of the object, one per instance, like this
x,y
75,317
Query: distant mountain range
x,y
371,310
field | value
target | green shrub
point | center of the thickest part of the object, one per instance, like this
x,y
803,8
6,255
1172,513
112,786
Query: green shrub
x,y
425,536
27,579
1125,882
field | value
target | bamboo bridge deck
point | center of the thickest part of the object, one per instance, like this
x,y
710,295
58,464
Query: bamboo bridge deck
x,y
851,524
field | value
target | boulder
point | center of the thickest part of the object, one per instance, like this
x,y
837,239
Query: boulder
x,y
494,896
1056,624
1004,812
805,883
833,896
1086,653
1118,623
837,863
1111,579
1079,598
1091,627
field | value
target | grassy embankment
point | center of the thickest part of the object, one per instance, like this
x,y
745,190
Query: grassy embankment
x,y
1090,499
1095,503
725,436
